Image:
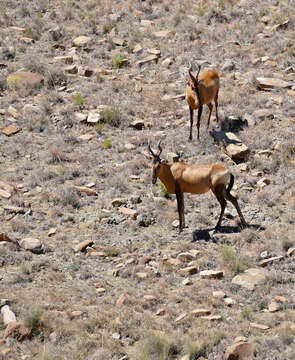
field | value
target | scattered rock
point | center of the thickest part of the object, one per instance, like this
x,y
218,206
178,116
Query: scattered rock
x,y
270,260
219,294
189,270
118,202
129,212
185,256
231,145
118,41
10,130
212,317
273,306
71,69
162,34
121,300
161,312
147,59
67,59
180,317
187,282
93,117
270,83
229,301
51,232
263,182
8,315
86,190
130,146
250,278
137,124
81,41
263,114
290,251
32,244
17,331
259,326
13,112
141,275
137,48
240,351
200,312
211,274
83,245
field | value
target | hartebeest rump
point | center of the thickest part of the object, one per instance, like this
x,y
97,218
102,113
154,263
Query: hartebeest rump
x,y
180,178
201,90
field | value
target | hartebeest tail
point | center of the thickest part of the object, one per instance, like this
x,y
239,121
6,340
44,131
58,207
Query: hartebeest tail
x,y
180,178
201,90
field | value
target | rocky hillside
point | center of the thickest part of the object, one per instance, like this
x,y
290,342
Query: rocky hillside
x,y
91,264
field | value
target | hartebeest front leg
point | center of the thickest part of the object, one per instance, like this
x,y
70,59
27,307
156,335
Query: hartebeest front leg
x,y
219,193
199,120
191,111
180,207
210,106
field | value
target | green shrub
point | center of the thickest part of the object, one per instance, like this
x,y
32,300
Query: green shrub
x,y
195,351
231,260
79,100
117,61
107,144
110,116
163,191
156,347
33,319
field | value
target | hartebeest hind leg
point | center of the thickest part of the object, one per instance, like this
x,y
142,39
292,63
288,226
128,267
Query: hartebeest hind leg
x,y
234,201
216,105
199,120
180,206
210,106
191,111
219,191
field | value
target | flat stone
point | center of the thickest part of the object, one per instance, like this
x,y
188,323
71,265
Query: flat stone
x,y
118,41
71,69
187,282
211,274
219,294
68,59
270,260
137,124
290,251
229,301
32,244
147,59
161,311
17,29
259,326
81,41
93,117
273,306
180,317
189,270
10,130
129,212
13,112
141,275
137,48
212,317
154,51
162,34
130,146
185,256
118,202
270,83
86,190
200,312
83,245
250,278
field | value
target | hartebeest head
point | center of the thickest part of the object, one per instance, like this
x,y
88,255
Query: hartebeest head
x,y
156,161
195,80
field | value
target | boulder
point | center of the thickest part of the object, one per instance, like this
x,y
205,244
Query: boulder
x,y
241,350
8,315
31,244
250,278
231,145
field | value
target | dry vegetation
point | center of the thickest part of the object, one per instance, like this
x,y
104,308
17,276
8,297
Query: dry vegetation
x,y
52,155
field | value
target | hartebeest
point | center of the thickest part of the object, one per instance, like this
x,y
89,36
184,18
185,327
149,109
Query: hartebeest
x,y
201,90
180,178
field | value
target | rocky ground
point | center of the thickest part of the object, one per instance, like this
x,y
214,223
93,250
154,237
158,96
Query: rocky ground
x,y
91,264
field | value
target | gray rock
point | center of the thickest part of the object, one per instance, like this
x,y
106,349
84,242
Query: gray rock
x,y
8,315
250,278
32,244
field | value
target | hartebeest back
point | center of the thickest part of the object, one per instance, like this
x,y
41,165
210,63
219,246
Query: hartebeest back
x,y
180,178
201,90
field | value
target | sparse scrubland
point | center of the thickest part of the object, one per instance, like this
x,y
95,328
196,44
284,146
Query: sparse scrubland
x,y
80,159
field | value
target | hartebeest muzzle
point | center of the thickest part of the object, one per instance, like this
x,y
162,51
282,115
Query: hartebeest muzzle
x,y
156,160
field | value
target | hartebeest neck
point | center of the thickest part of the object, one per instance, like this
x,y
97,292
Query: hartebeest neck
x,y
166,177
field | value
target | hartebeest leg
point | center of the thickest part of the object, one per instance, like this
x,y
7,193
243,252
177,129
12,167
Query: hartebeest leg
x,y
191,111
180,206
210,106
234,201
219,193
216,105
199,119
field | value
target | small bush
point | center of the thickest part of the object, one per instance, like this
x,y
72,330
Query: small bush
x,y
117,61
246,314
156,347
110,116
33,319
230,259
107,144
79,100
195,351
